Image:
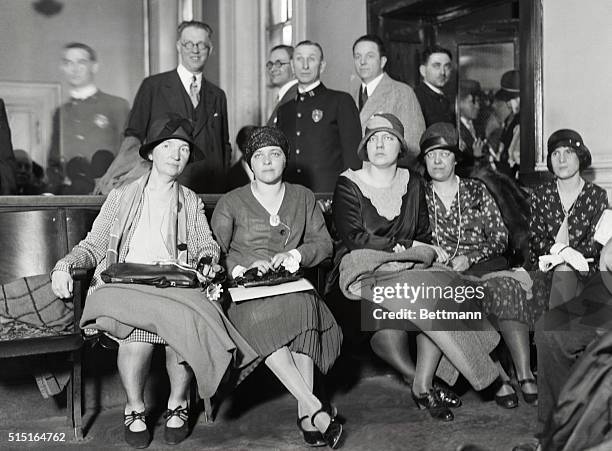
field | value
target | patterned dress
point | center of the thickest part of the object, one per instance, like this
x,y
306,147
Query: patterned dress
x,y
546,218
481,238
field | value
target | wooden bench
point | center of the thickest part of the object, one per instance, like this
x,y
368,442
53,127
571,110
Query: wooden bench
x,y
35,232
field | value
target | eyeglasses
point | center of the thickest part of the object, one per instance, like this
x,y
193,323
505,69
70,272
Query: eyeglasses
x,y
276,64
201,46
444,154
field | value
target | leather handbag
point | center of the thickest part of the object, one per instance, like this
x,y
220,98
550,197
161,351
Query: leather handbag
x,y
161,275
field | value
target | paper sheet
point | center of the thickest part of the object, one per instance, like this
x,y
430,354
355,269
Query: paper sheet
x,y
240,294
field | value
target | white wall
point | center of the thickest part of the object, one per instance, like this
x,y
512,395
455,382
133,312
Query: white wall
x,y
30,43
335,24
577,73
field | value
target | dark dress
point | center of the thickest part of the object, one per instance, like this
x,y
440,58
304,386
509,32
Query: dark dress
x,y
301,321
483,240
546,219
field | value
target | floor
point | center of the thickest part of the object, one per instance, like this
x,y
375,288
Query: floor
x,y
377,411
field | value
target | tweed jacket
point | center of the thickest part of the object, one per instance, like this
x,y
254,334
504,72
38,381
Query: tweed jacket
x,y
391,96
91,251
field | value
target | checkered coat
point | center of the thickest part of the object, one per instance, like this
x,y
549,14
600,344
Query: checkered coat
x,y
91,252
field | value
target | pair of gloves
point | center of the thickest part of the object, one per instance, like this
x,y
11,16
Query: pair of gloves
x,y
563,253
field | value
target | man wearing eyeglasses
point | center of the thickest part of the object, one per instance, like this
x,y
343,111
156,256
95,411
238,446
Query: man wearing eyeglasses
x,y
183,91
281,78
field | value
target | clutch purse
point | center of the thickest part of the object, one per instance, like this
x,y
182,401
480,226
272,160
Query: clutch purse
x,y
271,278
161,275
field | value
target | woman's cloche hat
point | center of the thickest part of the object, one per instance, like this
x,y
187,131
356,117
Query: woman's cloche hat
x,y
566,137
382,122
169,127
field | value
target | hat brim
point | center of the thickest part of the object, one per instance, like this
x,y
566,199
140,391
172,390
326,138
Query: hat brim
x,y
362,151
506,95
147,148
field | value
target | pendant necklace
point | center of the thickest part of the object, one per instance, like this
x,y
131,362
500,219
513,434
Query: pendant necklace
x,y
436,217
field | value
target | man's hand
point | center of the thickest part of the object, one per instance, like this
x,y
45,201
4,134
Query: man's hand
x,y
62,284
478,147
460,263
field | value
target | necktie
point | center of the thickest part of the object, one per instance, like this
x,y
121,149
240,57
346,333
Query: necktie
x,y
194,92
363,97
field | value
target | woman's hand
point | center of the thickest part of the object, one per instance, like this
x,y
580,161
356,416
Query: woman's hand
x,y
61,284
208,272
399,248
280,258
262,266
441,254
460,263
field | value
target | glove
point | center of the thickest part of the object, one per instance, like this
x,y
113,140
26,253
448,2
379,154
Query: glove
x,y
571,256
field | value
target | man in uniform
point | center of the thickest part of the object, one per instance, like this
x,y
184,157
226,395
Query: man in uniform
x,y
322,125
379,93
91,120
281,78
184,92
435,69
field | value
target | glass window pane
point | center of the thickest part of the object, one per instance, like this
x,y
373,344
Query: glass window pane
x,y
287,34
275,11
289,9
283,11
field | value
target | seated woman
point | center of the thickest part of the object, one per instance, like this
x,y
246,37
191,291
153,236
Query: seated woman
x,y
156,219
382,207
468,227
265,225
564,214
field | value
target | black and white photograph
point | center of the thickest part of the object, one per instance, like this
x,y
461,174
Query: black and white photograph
x,y
292,224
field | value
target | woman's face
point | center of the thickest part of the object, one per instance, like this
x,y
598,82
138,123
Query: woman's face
x,y
268,164
440,164
170,157
564,161
383,149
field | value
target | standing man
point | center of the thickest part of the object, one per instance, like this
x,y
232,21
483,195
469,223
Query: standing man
x,y
472,142
435,69
509,152
281,78
184,92
379,93
91,120
322,125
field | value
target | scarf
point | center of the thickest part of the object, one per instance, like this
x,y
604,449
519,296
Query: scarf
x,y
175,238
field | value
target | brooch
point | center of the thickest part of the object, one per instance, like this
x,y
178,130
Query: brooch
x,y
274,220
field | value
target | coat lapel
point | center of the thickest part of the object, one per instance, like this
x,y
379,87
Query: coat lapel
x,y
376,102
206,106
170,89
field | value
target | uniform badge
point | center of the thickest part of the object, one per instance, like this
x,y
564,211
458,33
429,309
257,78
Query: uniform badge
x,y
317,115
101,121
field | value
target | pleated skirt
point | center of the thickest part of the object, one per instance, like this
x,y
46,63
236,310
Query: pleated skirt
x,y
301,321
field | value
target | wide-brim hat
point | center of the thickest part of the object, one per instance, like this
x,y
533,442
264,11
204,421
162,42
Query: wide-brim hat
x,y
170,127
441,135
510,85
382,122
566,137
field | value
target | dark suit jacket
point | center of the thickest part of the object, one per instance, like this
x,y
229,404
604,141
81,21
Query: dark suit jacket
x,y
164,93
8,165
289,95
323,128
435,107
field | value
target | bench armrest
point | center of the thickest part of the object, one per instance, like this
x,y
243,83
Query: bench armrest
x,y
81,278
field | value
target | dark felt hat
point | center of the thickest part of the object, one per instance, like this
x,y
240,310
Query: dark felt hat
x,y
467,86
169,127
510,86
382,122
441,135
568,138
